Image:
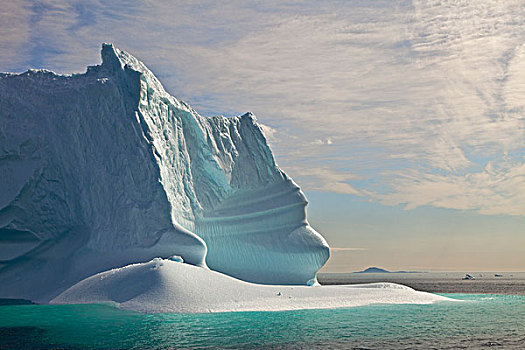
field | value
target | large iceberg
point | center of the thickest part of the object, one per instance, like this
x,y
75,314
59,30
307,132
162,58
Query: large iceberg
x,y
104,169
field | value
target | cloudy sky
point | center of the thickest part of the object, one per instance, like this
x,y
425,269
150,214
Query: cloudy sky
x,y
402,120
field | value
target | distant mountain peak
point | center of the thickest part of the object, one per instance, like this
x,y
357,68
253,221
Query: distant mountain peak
x,y
374,269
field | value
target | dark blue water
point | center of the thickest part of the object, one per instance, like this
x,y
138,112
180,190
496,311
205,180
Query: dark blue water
x,y
496,321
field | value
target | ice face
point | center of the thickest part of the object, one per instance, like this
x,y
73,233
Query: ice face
x,y
103,169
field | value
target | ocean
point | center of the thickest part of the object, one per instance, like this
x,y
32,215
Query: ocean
x,y
512,283
483,320
480,321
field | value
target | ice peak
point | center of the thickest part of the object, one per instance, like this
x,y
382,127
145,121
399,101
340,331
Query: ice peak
x,y
249,115
116,60
110,57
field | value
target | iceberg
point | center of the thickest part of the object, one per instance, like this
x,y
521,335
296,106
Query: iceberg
x,y
105,169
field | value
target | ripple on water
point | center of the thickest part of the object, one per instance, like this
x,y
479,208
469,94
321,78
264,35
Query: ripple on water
x,y
486,321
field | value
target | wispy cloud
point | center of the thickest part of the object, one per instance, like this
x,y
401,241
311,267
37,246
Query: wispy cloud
x,y
327,141
345,249
415,103
497,189
324,179
14,33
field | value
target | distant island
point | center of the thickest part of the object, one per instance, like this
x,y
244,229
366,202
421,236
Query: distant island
x,y
380,270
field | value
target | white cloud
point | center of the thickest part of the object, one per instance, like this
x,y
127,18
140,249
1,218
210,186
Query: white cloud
x,y
14,33
323,179
327,141
497,189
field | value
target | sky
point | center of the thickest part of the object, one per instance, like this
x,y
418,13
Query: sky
x,y
403,121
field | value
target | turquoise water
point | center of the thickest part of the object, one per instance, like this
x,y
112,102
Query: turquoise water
x,y
481,321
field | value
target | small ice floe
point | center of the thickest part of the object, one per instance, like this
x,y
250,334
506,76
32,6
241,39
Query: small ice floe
x,y
176,258
469,277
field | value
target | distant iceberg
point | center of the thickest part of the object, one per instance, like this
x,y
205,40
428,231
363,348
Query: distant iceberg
x,y
105,169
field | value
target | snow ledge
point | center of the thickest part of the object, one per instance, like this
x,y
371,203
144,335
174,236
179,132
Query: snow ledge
x,y
165,286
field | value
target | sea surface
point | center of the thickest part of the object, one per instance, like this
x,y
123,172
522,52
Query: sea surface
x,y
480,321
495,282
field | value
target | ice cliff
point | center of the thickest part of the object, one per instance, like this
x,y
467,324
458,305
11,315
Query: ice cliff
x,y
103,169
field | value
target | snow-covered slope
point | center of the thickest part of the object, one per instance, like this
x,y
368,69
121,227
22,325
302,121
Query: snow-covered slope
x,y
103,169
167,286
